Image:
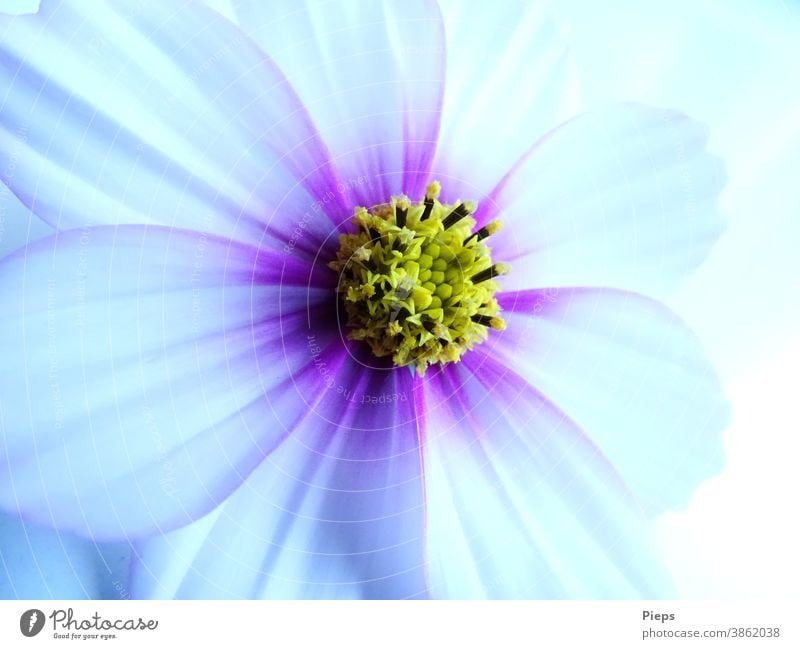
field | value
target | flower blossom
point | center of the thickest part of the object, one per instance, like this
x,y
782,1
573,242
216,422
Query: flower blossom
x,y
346,301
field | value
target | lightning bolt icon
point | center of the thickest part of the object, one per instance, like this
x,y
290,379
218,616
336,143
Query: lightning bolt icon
x,y
32,621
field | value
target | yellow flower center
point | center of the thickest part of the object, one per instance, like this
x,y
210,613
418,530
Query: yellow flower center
x,y
417,282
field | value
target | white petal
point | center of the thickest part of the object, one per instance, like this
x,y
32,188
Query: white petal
x,y
510,80
139,363
144,112
624,197
336,511
632,375
520,504
371,75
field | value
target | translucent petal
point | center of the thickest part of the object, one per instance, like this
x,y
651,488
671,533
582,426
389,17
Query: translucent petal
x,y
137,360
631,374
336,511
40,563
624,197
510,80
144,112
371,75
520,504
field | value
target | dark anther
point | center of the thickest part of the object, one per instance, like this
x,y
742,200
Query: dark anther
x,y
481,319
428,209
455,216
492,271
480,235
400,216
374,234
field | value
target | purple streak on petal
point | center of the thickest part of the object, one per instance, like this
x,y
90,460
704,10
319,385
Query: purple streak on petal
x,y
371,76
500,99
178,120
143,362
337,510
420,422
493,206
623,197
519,503
495,385
421,131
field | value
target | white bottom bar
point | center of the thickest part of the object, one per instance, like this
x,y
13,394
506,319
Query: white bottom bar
x,y
385,625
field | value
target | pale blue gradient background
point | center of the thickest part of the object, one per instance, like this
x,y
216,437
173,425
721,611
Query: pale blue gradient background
x,y
735,66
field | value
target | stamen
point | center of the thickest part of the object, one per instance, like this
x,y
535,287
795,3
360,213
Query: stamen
x,y
492,271
410,283
401,213
486,231
431,193
455,216
489,321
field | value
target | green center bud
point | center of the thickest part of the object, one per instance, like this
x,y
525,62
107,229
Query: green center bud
x,y
417,282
